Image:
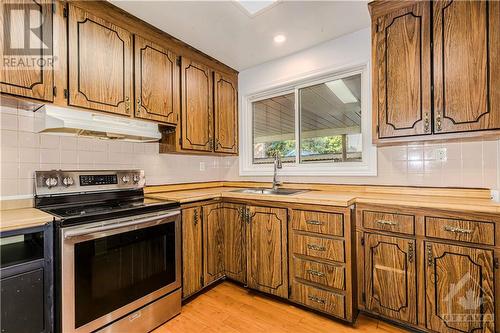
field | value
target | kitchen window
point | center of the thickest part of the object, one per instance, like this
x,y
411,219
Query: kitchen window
x,y
319,126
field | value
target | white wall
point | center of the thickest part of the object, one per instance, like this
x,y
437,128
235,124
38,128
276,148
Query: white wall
x,y
471,164
23,151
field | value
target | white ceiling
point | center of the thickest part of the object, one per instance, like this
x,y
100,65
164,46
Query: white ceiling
x,y
225,31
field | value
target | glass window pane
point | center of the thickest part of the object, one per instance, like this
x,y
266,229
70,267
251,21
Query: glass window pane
x,y
330,121
274,129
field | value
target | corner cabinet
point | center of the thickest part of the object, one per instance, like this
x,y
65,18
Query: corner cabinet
x,y
460,41
235,263
99,64
213,240
34,81
209,112
213,245
156,82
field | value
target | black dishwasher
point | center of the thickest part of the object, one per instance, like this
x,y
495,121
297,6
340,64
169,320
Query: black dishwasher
x,y
26,280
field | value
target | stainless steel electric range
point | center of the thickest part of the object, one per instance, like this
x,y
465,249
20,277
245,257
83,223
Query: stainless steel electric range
x,y
117,254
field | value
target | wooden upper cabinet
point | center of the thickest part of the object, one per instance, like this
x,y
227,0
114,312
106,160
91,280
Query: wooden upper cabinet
x,y
390,265
99,63
33,81
192,251
213,242
267,265
234,242
459,290
156,82
196,106
402,71
225,113
466,65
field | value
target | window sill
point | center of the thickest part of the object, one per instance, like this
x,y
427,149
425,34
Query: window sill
x,y
345,170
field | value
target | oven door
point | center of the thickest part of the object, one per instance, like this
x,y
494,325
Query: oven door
x,y
112,268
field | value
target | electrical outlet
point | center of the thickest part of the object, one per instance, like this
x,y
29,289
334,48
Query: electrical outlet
x,y
441,154
202,166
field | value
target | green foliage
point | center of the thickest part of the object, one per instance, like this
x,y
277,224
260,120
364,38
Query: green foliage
x,y
311,146
281,147
323,145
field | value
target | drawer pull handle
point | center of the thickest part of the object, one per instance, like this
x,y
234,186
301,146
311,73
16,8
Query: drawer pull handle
x,y
316,299
384,222
314,222
315,273
316,247
457,230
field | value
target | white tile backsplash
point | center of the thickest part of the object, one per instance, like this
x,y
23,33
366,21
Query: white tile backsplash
x,y
468,164
24,151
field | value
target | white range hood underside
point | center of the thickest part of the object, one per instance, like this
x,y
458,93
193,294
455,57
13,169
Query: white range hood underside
x,y
71,121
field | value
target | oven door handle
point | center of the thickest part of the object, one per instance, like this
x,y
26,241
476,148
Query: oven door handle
x,y
130,225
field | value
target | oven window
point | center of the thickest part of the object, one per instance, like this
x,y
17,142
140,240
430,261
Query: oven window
x,y
113,271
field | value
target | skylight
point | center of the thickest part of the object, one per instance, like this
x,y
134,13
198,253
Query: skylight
x,y
255,6
339,88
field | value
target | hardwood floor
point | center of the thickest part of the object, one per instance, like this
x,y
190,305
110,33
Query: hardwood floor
x,y
233,309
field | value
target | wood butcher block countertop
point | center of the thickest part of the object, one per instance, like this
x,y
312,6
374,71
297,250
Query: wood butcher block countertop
x,y
19,214
471,200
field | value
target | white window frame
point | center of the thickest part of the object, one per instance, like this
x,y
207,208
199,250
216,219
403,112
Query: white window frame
x,y
368,165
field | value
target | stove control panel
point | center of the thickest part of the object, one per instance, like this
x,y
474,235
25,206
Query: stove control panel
x,y
61,182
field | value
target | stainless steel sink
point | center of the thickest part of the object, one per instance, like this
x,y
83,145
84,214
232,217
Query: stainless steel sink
x,y
261,190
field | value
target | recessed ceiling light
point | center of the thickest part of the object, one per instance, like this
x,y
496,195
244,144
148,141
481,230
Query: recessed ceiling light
x,y
253,7
339,88
279,39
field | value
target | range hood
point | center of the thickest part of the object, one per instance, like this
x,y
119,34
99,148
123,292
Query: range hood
x,y
71,121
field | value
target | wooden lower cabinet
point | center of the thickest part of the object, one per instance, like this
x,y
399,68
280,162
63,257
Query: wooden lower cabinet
x,y
459,288
213,240
192,251
390,271
234,242
441,279
267,266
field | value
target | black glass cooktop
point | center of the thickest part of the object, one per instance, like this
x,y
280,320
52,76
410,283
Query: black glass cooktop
x,y
85,208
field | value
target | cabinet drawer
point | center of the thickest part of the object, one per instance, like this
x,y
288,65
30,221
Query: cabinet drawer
x,y
332,276
319,299
319,247
318,222
460,230
400,223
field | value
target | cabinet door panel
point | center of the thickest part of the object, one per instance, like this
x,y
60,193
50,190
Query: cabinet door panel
x,y
226,114
213,236
266,250
234,242
391,277
192,251
15,78
459,289
402,81
466,65
100,63
156,82
196,106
